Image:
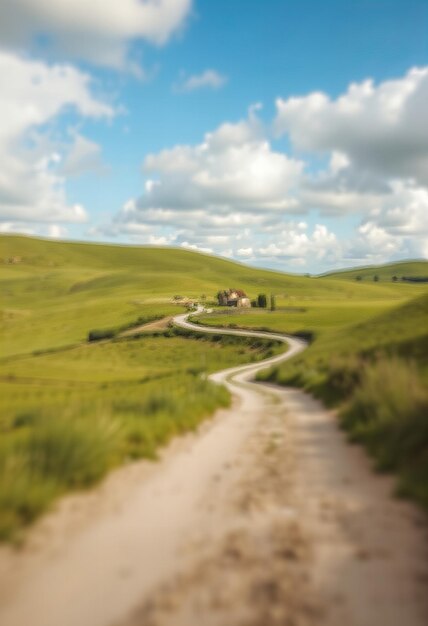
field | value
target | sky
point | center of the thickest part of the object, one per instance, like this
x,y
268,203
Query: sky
x,y
290,134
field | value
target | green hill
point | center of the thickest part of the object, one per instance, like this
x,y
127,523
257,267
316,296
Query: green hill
x,y
54,292
387,272
70,410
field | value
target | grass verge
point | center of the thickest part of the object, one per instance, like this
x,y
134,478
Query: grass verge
x,y
376,373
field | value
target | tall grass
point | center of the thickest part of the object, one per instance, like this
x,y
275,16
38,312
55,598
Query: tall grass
x,y
47,451
23,496
388,412
49,454
69,450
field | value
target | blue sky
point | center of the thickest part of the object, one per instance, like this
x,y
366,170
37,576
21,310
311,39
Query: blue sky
x,y
283,134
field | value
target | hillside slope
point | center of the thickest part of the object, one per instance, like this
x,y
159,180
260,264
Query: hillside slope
x,y
376,372
55,292
406,269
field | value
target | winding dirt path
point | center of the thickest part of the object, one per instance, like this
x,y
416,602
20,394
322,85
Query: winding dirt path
x,y
264,517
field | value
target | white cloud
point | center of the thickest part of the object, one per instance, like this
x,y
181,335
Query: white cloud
x,y
99,31
405,212
245,252
295,244
209,79
375,127
56,232
84,156
193,246
234,193
376,137
212,194
33,95
12,227
234,168
397,228
34,92
159,241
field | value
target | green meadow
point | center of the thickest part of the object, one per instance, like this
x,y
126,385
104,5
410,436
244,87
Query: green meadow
x,y
58,291
68,416
70,410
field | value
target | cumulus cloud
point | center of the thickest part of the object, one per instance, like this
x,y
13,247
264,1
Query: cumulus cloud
x,y
34,94
396,228
235,193
233,169
295,244
381,128
97,31
376,139
212,194
194,246
54,231
83,157
209,79
405,212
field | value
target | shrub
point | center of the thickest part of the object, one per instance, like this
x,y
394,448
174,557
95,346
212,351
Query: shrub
x,y
262,300
26,418
98,335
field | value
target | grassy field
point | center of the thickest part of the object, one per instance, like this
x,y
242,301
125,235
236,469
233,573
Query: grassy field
x,y
310,316
70,410
58,291
67,417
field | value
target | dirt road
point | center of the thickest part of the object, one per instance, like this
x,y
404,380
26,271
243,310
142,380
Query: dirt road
x,y
265,517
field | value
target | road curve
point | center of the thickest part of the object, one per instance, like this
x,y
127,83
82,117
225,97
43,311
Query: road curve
x,y
264,517
244,373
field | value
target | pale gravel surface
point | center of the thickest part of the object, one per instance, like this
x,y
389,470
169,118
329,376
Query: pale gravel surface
x,y
265,517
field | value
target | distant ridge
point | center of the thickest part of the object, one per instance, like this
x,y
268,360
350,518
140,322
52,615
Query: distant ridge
x,y
417,268
74,252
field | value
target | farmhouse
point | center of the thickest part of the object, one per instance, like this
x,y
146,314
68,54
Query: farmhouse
x,y
233,297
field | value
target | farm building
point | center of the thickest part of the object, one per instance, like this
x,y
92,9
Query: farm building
x,y
233,297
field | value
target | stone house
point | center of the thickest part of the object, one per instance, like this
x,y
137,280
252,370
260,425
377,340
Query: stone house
x,y
233,297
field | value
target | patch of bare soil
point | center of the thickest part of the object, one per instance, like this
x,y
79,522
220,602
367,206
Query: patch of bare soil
x,y
157,325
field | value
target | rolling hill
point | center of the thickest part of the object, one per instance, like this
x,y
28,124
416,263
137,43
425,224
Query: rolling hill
x,y
54,292
406,269
70,410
